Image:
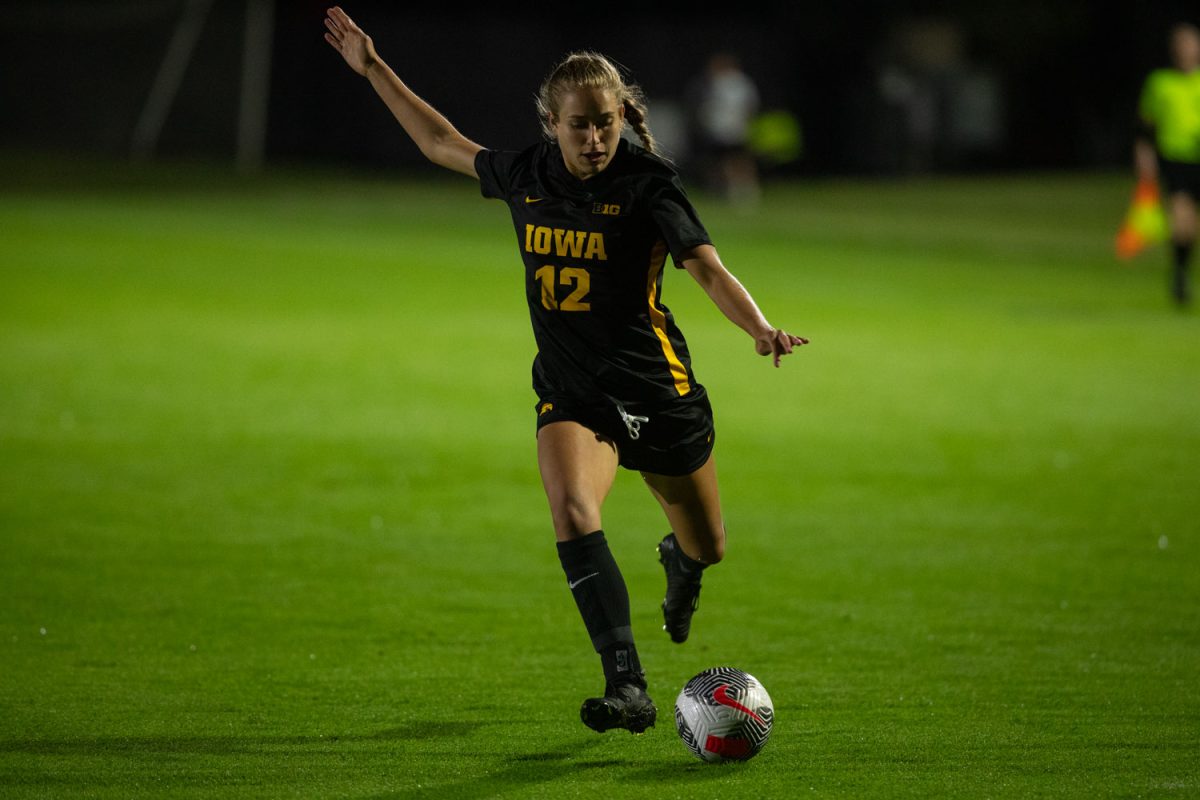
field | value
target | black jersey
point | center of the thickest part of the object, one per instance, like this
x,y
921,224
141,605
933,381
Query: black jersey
x,y
594,252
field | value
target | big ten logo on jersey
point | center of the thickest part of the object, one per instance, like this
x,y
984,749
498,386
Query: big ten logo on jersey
x,y
607,209
565,243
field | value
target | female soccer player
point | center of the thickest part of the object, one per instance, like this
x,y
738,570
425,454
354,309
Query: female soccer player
x,y
1170,146
595,218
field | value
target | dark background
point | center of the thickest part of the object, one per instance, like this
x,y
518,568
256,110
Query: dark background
x,y
1060,77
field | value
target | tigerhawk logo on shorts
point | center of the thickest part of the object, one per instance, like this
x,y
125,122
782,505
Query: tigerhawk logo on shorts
x,y
546,407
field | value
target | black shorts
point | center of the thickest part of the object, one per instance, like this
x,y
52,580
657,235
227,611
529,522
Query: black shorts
x,y
668,438
1180,176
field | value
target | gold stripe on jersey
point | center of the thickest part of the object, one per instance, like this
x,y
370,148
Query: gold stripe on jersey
x,y
658,320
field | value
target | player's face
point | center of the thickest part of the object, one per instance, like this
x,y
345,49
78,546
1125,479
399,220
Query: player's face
x,y
1185,48
588,127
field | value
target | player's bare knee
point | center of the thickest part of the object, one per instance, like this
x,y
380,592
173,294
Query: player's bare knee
x,y
574,516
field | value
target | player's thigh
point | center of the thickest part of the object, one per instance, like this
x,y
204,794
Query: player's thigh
x,y
692,504
1182,208
577,467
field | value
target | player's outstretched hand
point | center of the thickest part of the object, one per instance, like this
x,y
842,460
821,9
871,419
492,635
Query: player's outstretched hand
x,y
778,343
349,40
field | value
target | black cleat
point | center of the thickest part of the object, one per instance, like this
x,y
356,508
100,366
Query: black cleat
x,y
626,706
683,591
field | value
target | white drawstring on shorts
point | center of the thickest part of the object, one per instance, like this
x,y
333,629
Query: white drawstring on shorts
x,y
633,424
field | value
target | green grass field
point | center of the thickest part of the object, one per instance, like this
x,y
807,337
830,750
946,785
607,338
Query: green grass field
x,y
270,521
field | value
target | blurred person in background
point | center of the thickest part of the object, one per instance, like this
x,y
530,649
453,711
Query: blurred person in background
x,y
1168,147
724,101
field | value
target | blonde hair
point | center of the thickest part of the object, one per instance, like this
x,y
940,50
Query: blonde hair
x,y
586,69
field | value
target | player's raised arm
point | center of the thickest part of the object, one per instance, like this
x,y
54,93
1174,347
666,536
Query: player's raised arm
x,y
438,140
735,302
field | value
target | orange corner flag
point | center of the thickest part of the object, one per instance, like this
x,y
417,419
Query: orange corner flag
x,y
1145,223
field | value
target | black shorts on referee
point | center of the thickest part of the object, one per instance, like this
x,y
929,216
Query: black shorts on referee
x,y
666,438
1180,176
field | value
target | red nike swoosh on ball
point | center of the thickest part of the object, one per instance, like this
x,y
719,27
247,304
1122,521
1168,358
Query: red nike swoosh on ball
x,y
721,695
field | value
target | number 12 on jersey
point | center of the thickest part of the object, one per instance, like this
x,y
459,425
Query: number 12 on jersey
x,y
578,277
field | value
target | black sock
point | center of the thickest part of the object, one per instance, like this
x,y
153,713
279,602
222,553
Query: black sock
x,y
1182,252
599,589
688,565
621,665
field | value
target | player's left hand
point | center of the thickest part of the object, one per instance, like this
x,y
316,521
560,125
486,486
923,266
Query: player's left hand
x,y
778,343
349,40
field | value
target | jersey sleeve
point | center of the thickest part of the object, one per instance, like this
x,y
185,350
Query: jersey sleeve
x,y
676,218
494,168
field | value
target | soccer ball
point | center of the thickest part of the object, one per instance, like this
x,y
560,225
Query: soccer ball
x,y
724,714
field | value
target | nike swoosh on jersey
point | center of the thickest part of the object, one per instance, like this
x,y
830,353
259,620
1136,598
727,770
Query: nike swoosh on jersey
x,y
533,199
573,584
721,695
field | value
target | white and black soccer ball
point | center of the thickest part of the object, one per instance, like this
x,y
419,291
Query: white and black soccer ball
x,y
724,714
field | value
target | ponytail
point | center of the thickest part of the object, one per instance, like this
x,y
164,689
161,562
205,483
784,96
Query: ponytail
x,y
635,115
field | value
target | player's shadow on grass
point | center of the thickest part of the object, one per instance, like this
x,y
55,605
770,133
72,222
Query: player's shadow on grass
x,y
512,772
519,773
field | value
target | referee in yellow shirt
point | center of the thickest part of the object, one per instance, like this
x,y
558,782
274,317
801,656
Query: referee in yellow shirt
x,y
1169,146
